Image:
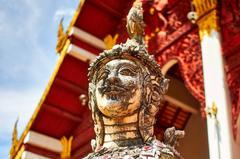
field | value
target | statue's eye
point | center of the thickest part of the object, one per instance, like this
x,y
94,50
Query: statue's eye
x,y
127,72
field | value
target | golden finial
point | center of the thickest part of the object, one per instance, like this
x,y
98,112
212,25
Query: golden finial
x,y
62,37
14,139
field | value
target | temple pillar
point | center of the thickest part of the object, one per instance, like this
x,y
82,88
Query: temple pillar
x,y
217,99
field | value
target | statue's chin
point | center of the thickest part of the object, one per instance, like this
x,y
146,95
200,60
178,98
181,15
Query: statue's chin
x,y
118,104
116,108
112,108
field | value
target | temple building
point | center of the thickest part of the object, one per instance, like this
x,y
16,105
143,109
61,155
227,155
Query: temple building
x,y
197,45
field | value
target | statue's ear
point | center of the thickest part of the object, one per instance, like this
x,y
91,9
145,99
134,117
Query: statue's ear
x,y
91,89
153,90
146,89
150,106
91,86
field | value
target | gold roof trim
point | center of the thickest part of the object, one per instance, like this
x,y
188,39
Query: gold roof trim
x,y
19,153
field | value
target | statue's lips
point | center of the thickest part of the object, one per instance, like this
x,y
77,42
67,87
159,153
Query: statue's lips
x,y
112,89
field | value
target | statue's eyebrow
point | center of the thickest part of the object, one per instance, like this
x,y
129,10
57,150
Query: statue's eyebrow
x,y
102,70
130,66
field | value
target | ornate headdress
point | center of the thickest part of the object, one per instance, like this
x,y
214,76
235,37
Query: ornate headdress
x,y
154,83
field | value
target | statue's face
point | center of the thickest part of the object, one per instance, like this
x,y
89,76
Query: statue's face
x,y
118,88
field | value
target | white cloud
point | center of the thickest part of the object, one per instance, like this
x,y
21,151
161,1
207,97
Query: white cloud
x,y
16,104
22,55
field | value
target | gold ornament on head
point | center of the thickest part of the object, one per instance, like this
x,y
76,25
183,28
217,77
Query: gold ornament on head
x,y
135,24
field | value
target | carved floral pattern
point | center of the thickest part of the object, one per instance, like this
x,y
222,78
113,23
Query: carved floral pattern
x,y
232,68
230,25
188,53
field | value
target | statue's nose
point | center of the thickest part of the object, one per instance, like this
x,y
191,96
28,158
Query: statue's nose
x,y
113,80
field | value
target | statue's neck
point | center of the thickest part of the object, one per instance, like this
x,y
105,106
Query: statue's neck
x,y
121,132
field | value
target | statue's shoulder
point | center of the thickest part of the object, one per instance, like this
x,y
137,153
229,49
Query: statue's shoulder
x,y
157,149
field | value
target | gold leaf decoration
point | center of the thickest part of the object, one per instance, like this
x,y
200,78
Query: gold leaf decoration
x,y
62,37
66,147
110,41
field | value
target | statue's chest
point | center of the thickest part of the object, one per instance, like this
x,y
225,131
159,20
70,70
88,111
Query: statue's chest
x,y
134,152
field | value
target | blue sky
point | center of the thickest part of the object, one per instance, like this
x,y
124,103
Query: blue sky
x,y
28,31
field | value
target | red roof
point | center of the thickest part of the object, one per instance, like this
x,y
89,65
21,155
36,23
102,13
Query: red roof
x,y
60,112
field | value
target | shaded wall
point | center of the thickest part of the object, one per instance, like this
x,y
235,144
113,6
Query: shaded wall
x,y
195,143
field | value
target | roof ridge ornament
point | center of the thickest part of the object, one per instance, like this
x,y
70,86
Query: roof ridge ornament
x,y
61,37
14,139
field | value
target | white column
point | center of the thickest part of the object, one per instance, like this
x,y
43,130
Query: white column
x,y
216,91
217,99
